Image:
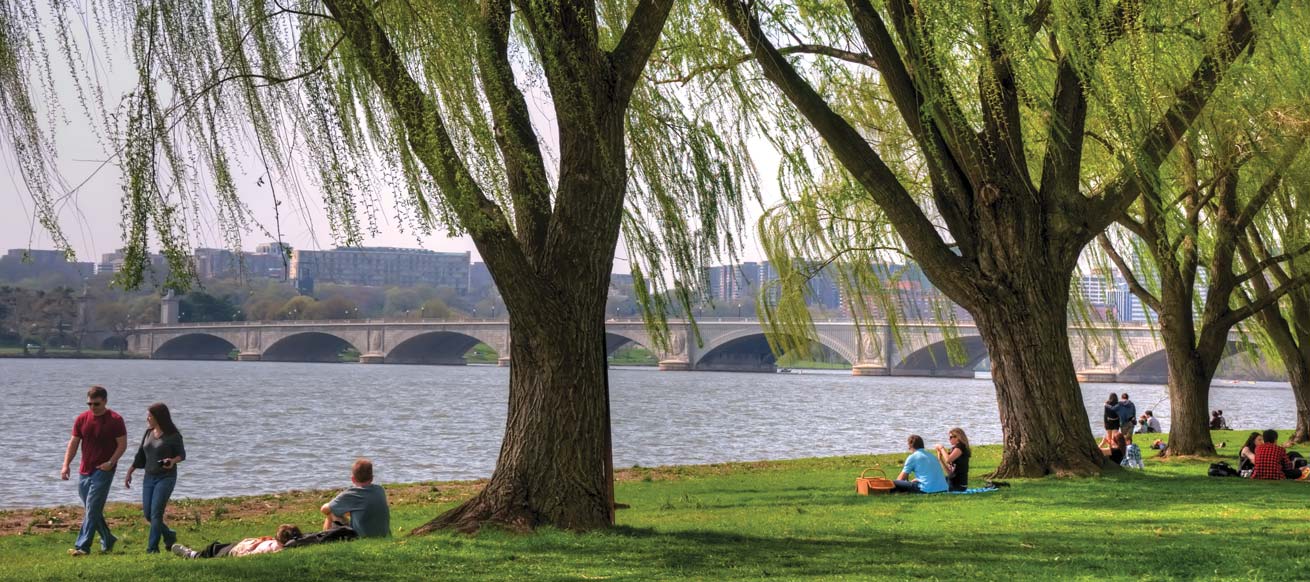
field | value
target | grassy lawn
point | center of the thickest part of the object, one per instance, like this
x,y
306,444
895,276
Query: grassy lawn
x,y
789,520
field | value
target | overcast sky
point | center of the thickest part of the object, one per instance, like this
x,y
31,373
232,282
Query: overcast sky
x,y
91,219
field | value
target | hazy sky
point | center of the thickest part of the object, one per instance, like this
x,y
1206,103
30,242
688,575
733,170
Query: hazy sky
x,y
91,218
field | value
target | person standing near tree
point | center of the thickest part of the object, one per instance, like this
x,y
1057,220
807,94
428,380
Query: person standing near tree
x,y
102,436
1127,416
160,451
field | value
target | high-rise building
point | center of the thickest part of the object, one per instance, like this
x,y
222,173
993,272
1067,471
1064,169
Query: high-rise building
x,y
730,282
382,267
481,284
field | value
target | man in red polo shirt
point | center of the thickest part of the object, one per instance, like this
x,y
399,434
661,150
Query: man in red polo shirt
x,y
103,438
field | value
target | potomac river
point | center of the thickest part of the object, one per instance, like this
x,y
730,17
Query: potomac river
x,y
260,427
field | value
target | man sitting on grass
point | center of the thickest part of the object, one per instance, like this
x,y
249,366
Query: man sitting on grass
x,y
246,547
362,507
928,475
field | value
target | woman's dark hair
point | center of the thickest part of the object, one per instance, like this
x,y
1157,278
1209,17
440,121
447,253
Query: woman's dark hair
x,y
1271,436
159,410
1112,400
1250,441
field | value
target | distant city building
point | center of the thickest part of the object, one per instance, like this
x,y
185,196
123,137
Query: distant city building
x,y
382,267
112,263
23,263
731,282
481,285
267,262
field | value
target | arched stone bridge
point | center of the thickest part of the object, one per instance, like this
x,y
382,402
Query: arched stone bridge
x,y
727,345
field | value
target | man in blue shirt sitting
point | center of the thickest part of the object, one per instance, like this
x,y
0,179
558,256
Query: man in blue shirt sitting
x,y
927,471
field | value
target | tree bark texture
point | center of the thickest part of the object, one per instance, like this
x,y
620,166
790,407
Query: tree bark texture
x,y
1031,364
551,464
1189,401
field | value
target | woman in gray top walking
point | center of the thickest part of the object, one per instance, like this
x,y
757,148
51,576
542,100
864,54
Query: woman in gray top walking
x,y
160,451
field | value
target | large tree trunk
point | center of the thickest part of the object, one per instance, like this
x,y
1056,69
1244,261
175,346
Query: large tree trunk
x,y
1043,418
1189,401
551,468
1298,372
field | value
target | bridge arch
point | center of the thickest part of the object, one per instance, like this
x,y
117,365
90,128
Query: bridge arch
x,y
749,351
194,346
1153,368
934,359
440,348
307,346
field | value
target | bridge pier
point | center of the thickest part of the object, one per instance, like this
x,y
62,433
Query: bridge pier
x,y
675,366
372,358
249,357
503,361
869,370
1097,376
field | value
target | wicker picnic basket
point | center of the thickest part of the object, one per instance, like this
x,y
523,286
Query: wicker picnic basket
x,y
873,485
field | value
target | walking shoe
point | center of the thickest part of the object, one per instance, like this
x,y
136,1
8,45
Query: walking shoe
x,y
76,552
109,547
182,551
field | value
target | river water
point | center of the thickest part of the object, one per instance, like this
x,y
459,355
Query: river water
x,y
259,427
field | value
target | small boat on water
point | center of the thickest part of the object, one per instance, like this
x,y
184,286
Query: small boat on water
x,y
784,370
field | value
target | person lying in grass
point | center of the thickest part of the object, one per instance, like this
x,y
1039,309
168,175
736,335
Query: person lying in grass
x,y
927,471
247,547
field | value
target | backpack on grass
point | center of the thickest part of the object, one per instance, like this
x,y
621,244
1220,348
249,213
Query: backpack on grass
x,y
1221,469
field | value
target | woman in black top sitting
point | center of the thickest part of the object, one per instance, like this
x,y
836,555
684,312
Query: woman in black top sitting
x,y
956,462
1246,457
1116,451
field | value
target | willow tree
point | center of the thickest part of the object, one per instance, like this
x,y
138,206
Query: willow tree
x,y
995,140
1191,223
1286,323
433,102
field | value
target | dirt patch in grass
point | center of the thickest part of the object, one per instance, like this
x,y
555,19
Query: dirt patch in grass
x,y
68,518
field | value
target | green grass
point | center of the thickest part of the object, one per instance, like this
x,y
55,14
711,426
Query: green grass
x,y
791,520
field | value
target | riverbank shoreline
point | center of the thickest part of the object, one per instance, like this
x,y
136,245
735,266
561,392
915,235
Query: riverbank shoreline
x,y
17,353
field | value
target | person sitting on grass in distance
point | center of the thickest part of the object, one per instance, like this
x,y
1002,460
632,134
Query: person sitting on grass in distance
x,y
1132,456
1116,451
1246,457
1148,423
927,471
362,507
956,461
247,547
1271,460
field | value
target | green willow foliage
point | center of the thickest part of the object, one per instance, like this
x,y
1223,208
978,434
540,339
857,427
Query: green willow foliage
x,y
1132,58
221,82
1234,180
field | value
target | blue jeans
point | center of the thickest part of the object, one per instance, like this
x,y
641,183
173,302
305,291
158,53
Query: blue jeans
x,y
94,489
155,491
906,486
